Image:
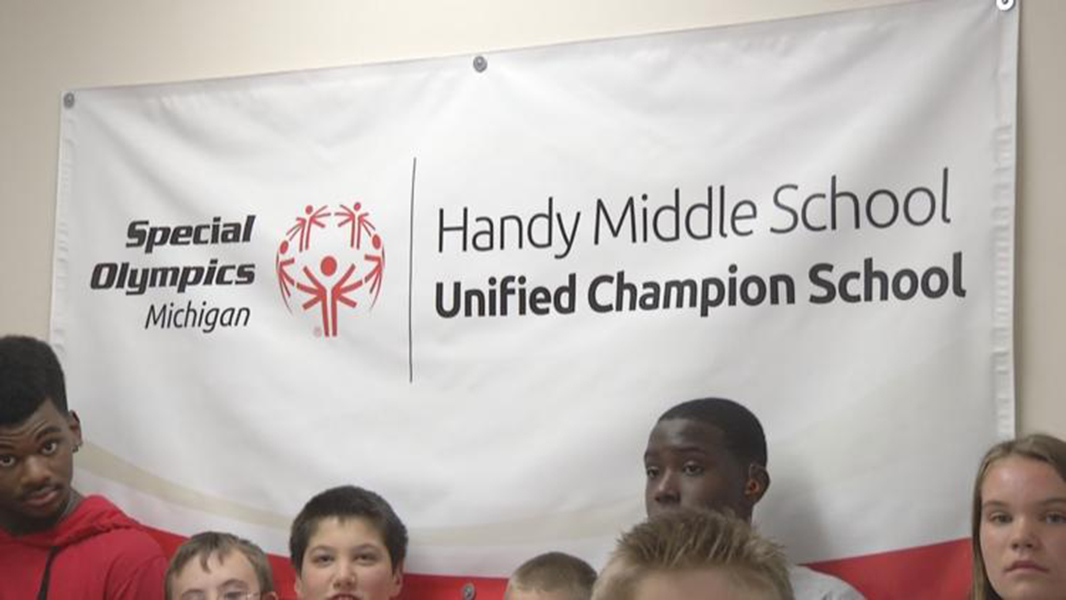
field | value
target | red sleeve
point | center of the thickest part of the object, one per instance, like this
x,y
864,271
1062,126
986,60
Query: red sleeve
x,y
138,570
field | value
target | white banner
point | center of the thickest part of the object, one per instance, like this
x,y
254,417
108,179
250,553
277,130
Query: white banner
x,y
472,284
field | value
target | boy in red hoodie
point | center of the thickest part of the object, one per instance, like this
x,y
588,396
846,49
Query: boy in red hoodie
x,y
53,542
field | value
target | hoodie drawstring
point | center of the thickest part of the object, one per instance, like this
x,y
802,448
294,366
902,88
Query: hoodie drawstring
x,y
43,593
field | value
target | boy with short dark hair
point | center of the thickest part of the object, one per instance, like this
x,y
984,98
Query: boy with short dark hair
x,y
348,540
551,576
711,453
692,554
221,563
55,543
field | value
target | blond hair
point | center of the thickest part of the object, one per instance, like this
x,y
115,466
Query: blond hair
x,y
554,572
683,540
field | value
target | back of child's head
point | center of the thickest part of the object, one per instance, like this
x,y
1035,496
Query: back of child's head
x,y
203,546
30,374
552,574
343,503
686,541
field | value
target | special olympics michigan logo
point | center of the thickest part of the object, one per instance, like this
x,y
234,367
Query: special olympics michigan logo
x,y
331,260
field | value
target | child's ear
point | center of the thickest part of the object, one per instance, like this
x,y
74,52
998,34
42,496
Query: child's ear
x,y
298,588
397,581
757,484
75,428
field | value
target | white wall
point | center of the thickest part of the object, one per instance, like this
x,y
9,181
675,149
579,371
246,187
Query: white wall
x,y
48,46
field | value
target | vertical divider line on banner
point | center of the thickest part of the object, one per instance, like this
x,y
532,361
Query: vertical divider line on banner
x,y
410,274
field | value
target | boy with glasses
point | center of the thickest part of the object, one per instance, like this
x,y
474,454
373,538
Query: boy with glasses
x,y
219,566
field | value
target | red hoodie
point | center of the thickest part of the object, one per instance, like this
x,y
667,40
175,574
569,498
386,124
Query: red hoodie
x,y
102,555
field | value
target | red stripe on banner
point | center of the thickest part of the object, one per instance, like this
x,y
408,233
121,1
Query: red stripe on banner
x,y
936,572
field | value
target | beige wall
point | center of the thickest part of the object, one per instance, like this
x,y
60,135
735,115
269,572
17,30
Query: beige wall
x,y
47,46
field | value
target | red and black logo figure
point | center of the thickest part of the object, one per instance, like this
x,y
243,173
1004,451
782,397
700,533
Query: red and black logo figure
x,y
341,265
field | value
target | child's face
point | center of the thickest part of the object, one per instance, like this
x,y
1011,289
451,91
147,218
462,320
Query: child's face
x,y
36,465
689,466
517,593
347,560
229,576
1023,528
